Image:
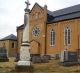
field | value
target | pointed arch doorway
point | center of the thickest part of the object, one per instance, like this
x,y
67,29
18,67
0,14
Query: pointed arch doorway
x,y
35,48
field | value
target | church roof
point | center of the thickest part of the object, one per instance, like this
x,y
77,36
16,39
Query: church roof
x,y
9,37
20,27
66,13
60,15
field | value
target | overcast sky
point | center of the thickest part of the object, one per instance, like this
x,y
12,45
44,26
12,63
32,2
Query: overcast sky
x,y
12,12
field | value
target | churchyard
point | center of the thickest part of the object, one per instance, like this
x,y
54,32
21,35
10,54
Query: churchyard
x,y
51,67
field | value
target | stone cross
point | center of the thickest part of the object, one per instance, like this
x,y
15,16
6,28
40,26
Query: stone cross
x,y
27,4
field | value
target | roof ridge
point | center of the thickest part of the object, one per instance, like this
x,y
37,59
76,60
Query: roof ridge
x,y
10,37
66,10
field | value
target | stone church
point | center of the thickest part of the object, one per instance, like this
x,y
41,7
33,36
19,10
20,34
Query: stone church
x,y
51,32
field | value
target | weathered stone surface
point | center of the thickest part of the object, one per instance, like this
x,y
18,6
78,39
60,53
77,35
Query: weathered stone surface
x,y
23,63
36,59
44,59
64,56
25,54
69,56
40,59
25,46
3,54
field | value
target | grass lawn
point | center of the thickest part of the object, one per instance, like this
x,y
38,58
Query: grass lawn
x,y
51,67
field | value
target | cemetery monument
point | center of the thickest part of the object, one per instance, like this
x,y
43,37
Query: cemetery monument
x,y
25,46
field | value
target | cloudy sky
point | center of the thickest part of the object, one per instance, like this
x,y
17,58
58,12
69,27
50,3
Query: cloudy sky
x,y
12,12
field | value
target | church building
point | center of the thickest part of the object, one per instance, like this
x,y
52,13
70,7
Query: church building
x,y
51,32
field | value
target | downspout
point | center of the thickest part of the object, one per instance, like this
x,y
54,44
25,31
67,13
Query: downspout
x,y
45,20
78,49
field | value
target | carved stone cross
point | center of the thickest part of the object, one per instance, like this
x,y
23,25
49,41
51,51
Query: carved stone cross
x,y
27,4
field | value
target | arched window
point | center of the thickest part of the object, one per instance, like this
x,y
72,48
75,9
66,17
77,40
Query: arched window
x,y
67,35
13,45
21,36
52,37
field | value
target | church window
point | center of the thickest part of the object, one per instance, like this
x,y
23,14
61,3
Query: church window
x,y
52,37
67,33
35,31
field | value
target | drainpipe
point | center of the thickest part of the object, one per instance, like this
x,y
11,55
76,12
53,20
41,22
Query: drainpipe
x,y
45,20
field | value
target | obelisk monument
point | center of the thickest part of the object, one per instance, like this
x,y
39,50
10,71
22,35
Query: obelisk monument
x,y
25,46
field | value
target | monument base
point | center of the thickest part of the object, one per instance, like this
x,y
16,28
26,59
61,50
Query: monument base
x,y
24,66
23,63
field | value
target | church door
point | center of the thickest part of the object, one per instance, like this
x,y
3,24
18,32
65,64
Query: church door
x,y
34,48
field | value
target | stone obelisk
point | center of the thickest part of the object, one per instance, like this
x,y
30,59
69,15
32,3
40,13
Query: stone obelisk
x,y
25,46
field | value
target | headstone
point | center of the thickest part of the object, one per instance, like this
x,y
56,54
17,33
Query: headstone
x,y
44,59
79,56
57,56
68,58
3,54
64,56
36,59
17,57
40,59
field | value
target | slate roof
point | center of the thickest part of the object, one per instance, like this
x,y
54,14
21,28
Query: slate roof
x,y
68,10
64,14
20,27
10,37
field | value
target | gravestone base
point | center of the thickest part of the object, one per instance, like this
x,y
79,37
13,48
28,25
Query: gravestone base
x,y
78,61
23,63
68,58
68,63
40,59
23,66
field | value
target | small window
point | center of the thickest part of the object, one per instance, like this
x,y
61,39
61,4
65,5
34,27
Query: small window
x,y
67,35
52,37
13,46
21,36
3,44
